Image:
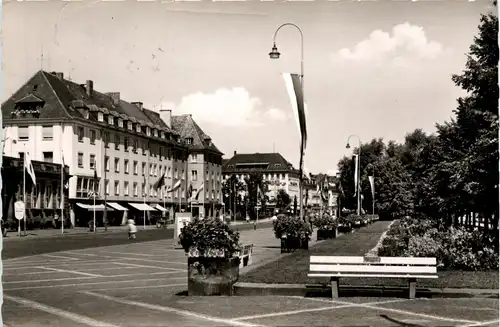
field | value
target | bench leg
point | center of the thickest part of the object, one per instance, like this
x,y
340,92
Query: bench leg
x,y
413,287
334,281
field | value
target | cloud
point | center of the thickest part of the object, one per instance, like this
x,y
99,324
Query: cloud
x,y
405,41
225,107
332,172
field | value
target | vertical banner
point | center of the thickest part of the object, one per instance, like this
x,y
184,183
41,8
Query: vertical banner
x,y
356,177
372,185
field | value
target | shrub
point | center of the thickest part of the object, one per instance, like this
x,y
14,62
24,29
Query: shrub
x,y
325,223
291,227
208,236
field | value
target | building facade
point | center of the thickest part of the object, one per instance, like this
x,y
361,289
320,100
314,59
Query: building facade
x,y
275,170
128,147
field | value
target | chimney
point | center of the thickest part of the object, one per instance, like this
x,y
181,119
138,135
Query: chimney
x,y
138,105
166,116
234,152
89,86
59,75
115,96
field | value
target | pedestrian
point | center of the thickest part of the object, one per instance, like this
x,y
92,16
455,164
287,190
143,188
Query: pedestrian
x,y
132,229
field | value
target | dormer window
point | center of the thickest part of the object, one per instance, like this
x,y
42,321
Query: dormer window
x,y
138,128
120,122
230,166
189,140
86,114
111,120
100,116
155,132
148,131
277,165
129,125
162,134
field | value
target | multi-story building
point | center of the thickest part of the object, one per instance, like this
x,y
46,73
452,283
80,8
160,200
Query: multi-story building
x,y
127,146
322,193
275,170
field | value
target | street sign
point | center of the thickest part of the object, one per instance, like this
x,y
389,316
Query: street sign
x,y
19,210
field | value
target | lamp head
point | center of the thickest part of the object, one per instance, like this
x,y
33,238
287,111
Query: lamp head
x,y
274,54
347,146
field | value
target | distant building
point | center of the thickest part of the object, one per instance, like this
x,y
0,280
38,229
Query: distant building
x,y
128,146
322,192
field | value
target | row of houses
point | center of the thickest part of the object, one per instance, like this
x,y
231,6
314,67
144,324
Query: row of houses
x,y
128,147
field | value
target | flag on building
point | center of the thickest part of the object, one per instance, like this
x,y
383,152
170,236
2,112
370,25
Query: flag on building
x,y
159,183
175,187
296,94
144,191
96,182
28,165
201,188
190,191
372,185
356,177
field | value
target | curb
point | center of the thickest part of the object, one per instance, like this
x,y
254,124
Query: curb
x,y
262,289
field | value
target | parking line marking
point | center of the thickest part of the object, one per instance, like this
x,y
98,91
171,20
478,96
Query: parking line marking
x,y
373,305
89,284
136,259
172,310
58,312
60,257
137,287
142,274
71,272
80,263
339,305
142,266
131,253
482,323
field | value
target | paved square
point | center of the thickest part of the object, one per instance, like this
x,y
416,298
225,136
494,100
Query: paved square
x,y
138,284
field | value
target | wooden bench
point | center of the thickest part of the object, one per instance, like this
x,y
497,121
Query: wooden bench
x,y
245,255
377,267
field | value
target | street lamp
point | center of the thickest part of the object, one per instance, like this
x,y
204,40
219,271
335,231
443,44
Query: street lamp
x,y
274,54
359,171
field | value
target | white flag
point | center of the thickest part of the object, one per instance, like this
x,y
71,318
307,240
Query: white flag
x,y
175,187
372,184
201,188
356,177
29,167
305,172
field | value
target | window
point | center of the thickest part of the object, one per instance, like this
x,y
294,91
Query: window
x,y
194,157
125,144
80,160
81,134
138,128
143,146
47,133
169,172
136,191
106,139
151,190
148,131
106,163
92,136
151,169
182,175
111,120
117,142
117,165
134,146
189,140
143,188
125,188
136,167
100,116
206,174
92,161
126,166
24,134
48,156
117,188
129,125
162,154
143,169
106,186
120,122
156,170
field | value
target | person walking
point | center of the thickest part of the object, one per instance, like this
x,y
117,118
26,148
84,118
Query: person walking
x,y
132,229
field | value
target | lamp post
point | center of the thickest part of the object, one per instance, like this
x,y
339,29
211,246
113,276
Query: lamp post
x,y
359,171
274,54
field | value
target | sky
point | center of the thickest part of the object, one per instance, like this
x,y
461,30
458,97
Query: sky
x,y
374,69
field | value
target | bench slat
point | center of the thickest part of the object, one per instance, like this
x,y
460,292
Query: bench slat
x,y
383,260
372,269
373,275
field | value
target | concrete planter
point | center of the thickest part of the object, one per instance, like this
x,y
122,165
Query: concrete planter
x,y
324,234
212,275
291,244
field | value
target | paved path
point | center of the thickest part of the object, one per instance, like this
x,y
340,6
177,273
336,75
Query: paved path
x,y
136,284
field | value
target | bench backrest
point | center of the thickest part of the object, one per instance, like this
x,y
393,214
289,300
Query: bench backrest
x,y
379,265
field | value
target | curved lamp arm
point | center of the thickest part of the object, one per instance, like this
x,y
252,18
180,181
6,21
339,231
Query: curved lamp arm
x,y
301,45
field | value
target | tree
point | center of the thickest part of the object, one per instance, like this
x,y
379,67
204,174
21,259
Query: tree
x,y
253,181
283,199
231,189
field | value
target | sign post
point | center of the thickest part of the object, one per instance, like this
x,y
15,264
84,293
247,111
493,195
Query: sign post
x,y
19,212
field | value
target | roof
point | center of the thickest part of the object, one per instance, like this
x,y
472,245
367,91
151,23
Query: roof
x,y
264,162
189,129
61,96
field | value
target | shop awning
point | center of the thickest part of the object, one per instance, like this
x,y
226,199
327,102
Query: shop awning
x,y
116,206
142,206
159,207
89,207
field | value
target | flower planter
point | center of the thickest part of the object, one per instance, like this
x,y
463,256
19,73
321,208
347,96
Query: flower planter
x,y
324,234
290,244
212,275
304,244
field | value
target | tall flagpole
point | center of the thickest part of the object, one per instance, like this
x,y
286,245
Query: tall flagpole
x,y
62,193
24,193
95,229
